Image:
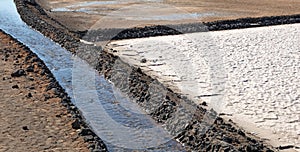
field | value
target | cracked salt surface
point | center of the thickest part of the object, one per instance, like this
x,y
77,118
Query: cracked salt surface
x,y
251,74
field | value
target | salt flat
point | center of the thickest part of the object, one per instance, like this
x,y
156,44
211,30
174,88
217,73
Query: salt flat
x,y
251,75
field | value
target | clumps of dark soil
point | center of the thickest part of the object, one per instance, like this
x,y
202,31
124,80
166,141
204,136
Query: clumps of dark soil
x,y
204,130
160,30
18,73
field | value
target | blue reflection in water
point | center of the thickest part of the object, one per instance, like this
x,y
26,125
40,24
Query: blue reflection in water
x,y
95,97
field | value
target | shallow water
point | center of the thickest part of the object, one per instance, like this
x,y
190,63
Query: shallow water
x,y
165,17
78,7
143,9
144,17
115,119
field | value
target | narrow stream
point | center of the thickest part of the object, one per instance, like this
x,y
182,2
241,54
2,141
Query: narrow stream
x,y
119,122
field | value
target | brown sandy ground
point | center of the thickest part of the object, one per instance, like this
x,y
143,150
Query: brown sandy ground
x,y
31,118
225,9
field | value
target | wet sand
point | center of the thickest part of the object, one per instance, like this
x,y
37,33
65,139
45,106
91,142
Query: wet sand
x,y
73,12
32,117
79,15
222,135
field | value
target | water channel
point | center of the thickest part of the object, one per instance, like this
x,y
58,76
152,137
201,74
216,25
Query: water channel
x,y
119,122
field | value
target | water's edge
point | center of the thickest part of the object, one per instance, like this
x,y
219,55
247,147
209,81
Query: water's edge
x,y
165,113
95,143
118,126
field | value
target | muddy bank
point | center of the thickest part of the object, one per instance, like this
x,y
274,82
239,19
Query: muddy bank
x,y
48,94
157,30
205,130
79,16
62,35
160,30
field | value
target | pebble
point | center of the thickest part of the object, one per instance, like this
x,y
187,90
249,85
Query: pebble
x,y
18,73
76,124
46,97
30,68
85,132
31,78
88,138
25,128
143,60
15,86
29,95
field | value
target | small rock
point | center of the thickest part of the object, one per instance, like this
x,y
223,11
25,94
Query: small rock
x,y
15,86
100,146
85,132
25,128
76,124
204,103
35,59
88,138
73,108
92,146
40,64
29,95
18,73
27,58
30,68
240,132
227,139
31,78
251,148
43,72
143,60
46,97
56,92
226,149
31,2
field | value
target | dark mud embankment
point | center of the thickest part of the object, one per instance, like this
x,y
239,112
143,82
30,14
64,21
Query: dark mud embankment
x,y
159,30
35,65
197,134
